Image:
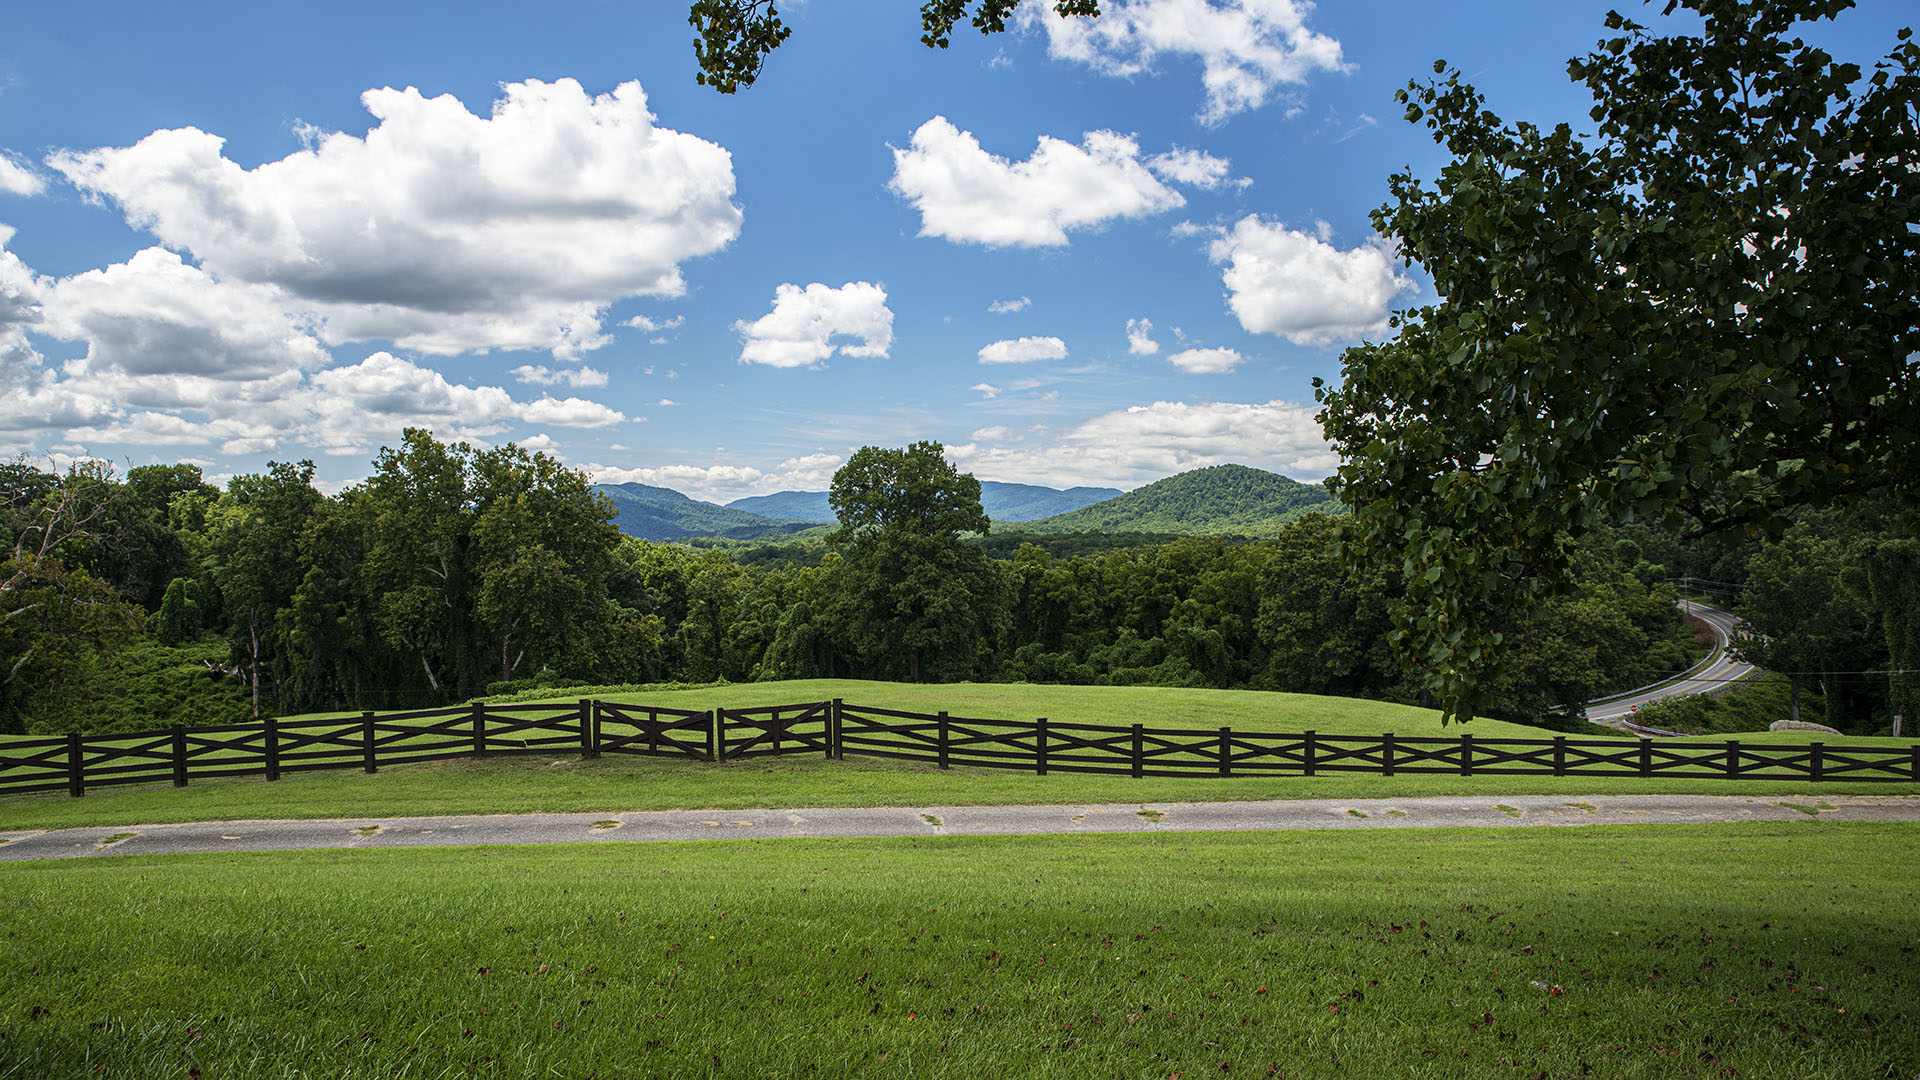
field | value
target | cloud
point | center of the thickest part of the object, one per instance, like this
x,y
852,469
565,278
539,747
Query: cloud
x,y
440,230
986,390
21,291
1300,287
725,483
1195,168
17,178
1206,361
801,328
1144,443
969,196
1140,337
1247,49
158,315
1023,350
1008,307
654,326
540,375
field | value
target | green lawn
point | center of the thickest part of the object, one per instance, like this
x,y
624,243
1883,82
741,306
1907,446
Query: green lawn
x,y
1766,950
622,783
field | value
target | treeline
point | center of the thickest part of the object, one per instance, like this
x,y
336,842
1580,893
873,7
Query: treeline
x,y
157,598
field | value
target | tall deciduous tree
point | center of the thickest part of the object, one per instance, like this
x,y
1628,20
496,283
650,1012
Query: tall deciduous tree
x,y
1709,313
912,591
252,535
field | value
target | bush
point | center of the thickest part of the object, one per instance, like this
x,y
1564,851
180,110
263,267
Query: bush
x,y
1750,706
144,686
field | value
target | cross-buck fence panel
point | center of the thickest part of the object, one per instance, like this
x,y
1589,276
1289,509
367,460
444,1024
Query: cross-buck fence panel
x,y
833,729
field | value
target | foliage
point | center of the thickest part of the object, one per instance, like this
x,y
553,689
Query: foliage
x,y
142,686
1708,315
1223,500
736,36
906,591
1750,706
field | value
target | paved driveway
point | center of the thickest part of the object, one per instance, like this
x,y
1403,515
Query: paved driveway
x,y
653,826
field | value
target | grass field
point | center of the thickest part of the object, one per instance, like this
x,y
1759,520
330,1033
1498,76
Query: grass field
x,y
619,783
1775,950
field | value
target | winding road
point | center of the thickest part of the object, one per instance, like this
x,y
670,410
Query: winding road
x,y
1714,673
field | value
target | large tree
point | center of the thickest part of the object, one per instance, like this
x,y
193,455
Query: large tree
x,y
915,598
1707,311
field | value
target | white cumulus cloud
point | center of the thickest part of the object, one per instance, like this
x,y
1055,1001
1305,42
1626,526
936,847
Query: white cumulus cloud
x,y
1246,49
18,179
156,314
1206,361
654,326
808,325
440,230
725,483
1195,168
1299,286
1008,307
1140,337
1144,443
1024,350
541,375
970,196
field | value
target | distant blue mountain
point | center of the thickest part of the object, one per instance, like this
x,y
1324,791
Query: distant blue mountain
x,y
1002,502
657,513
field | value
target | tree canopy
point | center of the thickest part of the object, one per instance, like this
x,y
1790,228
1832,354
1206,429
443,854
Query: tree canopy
x,y
1706,312
735,36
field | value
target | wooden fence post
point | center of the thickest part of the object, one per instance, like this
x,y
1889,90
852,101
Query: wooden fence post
x,y
1040,747
776,729
714,744
1646,756
1559,755
480,729
589,746
1226,751
1139,751
1818,766
1914,766
1466,755
1306,751
272,748
1733,759
366,742
1386,754
179,755
839,750
77,766
945,737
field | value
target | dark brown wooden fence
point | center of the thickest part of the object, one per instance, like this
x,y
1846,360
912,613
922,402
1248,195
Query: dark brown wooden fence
x,y
76,763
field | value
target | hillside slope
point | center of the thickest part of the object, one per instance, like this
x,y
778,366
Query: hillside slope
x,y
657,513
1221,500
1001,501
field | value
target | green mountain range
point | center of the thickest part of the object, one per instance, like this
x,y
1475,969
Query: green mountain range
x,y
1002,502
1223,500
657,513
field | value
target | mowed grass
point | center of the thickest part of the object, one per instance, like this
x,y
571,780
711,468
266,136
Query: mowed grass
x,y
1761,950
620,783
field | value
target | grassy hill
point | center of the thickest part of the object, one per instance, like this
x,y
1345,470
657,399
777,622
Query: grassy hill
x,y
1222,500
1002,502
657,513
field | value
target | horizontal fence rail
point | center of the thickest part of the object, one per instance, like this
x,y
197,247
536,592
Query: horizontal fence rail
x,y
833,729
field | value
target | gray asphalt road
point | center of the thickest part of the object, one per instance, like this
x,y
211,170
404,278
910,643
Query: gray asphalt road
x,y
1714,675
651,826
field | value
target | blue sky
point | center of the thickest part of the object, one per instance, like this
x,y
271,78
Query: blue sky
x,y
1103,254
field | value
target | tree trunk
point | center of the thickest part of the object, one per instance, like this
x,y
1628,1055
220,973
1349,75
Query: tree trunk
x,y
1793,695
253,630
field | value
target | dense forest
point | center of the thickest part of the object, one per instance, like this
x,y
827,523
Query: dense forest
x,y
451,572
